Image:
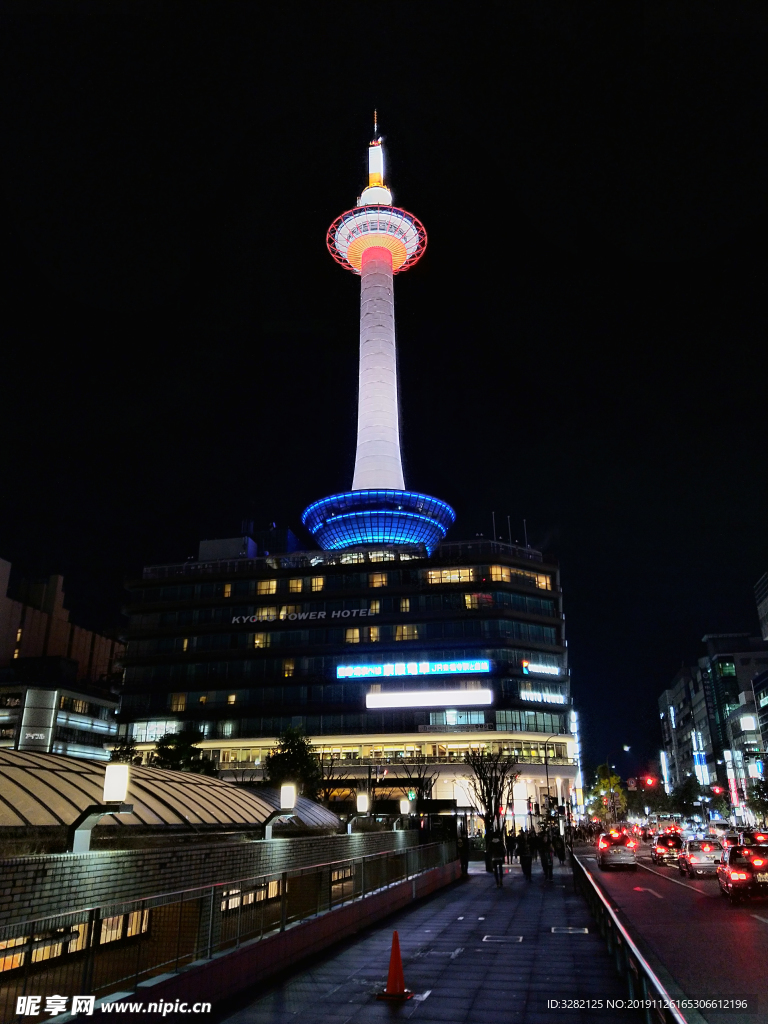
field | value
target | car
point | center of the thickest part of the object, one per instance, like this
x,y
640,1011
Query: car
x,y
728,839
699,857
614,849
752,837
666,848
743,872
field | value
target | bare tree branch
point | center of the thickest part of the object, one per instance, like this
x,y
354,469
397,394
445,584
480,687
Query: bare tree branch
x,y
491,782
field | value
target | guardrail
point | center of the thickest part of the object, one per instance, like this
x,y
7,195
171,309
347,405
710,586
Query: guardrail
x,y
112,947
642,983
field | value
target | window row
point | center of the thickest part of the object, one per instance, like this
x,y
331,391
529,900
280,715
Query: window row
x,y
370,722
31,949
344,581
445,601
317,666
493,628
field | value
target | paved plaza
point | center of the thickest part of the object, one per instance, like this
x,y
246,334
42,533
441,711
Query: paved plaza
x,y
471,953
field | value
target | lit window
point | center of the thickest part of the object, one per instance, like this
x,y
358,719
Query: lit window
x,y
352,635
289,667
470,601
503,574
405,604
266,587
16,653
138,923
374,634
381,556
227,590
178,701
19,631
375,608
377,579
203,699
261,639
294,586
406,632
352,557
111,929
266,614
451,575
231,698
289,609
318,582
185,644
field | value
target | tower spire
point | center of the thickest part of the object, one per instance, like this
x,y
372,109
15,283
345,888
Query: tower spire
x,y
375,123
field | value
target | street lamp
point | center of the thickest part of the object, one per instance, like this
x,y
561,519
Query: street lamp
x,y
114,793
287,806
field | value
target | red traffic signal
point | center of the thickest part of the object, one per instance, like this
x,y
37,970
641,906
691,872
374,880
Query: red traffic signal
x,y
717,789
650,781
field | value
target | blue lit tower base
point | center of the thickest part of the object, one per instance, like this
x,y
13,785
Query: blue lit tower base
x,y
378,517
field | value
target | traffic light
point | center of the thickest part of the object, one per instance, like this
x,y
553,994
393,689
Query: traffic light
x,y
717,790
649,781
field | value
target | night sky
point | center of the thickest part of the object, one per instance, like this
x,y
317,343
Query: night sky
x,y
582,346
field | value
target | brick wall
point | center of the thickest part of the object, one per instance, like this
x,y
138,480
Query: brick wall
x,y
39,886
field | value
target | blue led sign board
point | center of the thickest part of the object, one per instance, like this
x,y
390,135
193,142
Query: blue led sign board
x,y
412,668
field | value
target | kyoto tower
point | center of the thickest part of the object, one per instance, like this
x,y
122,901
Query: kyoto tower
x,y
377,240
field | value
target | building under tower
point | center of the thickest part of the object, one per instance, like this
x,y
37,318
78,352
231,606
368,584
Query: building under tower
x,y
388,644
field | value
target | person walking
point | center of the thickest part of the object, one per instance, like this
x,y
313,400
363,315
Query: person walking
x,y
546,852
462,846
510,842
559,844
496,850
533,843
524,854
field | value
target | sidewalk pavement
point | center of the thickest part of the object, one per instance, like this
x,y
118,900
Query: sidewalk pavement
x,y
472,954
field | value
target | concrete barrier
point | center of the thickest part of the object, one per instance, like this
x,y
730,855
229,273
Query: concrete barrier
x,y
233,971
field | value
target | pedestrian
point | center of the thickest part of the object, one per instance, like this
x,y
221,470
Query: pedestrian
x,y
559,844
510,843
496,850
533,843
546,853
462,843
524,853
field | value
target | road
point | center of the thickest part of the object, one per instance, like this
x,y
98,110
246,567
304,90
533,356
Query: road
x,y
708,947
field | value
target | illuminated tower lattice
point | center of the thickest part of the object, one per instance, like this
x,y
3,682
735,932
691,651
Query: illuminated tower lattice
x,y
377,240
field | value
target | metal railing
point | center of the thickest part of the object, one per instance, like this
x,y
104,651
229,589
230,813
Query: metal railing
x,y
113,947
642,983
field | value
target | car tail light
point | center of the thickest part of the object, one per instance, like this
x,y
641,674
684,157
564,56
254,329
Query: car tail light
x,y
660,849
758,862
602,845
693,859
737,876
631,843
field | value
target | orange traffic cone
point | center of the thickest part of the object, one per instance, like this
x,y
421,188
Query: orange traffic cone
x,y
395,989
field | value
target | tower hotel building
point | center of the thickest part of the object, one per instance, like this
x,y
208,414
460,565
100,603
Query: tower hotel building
x,y
387,644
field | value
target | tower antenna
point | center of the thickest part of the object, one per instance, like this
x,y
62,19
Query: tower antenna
x,y
525,531
375,123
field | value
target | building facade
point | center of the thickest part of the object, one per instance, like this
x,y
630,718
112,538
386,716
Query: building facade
x,y
383,656
710,721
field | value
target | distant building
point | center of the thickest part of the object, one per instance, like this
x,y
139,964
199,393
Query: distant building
x,y
760,691
58,691
761,598
37,626
710,719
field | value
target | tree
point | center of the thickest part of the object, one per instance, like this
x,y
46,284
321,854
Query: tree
x,y
295,761
421,777
757,799
125,750
685,796
332,776
491,782
177,751
607,799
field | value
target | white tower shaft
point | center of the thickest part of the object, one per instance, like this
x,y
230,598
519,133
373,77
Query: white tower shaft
x,y
378,463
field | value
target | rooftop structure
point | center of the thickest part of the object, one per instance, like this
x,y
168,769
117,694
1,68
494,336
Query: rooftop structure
x,y
377,240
